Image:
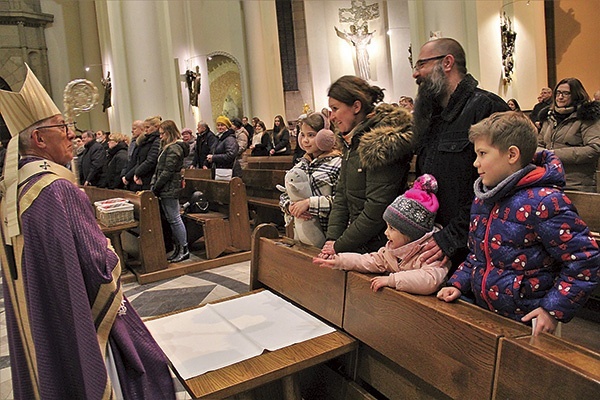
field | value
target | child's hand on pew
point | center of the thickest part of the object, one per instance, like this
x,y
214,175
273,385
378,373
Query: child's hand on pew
x,y
381,281
545,322
325,263
448,294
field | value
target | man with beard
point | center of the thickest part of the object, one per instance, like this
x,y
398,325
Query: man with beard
x,y
448,103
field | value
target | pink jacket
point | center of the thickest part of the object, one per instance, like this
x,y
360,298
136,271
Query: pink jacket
x,y
408,271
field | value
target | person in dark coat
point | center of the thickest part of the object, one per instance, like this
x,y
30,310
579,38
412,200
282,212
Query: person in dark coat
x,y
93,162
375,163
224,151
448,103
146,155
205,140
280,138
261,142
166,185
116,160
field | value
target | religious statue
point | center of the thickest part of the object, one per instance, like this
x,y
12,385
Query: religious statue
x,y
359,39
508,47
192,80
107,92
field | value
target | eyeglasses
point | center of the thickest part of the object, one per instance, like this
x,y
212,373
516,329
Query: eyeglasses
x,y
561,93
421,63
65,126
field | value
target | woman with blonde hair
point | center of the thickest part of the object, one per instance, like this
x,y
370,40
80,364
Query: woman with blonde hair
x,y
116,160
166,185
145,155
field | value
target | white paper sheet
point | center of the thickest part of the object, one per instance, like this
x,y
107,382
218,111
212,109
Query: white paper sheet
x,y
217,335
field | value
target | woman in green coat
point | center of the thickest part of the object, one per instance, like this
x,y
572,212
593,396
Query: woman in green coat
x,y
375,164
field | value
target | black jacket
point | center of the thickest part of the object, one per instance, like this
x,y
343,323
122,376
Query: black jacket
x,y
281,142
146,155
117,160
204,144
93,164
225,150
445,152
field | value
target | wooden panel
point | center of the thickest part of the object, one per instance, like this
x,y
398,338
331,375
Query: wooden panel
x,y
288,269
197,173
451,346
262,183
588,207
546,367
239,219
217,192
217,235
271,162
391,380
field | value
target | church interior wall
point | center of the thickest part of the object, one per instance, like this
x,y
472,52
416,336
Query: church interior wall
x,y
146,80
576,39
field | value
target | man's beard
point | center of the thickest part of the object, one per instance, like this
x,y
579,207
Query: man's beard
x,y
432,91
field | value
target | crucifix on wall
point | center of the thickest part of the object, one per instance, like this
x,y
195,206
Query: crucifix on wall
x,y
358,16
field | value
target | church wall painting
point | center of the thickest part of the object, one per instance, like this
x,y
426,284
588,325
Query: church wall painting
x,y
225,82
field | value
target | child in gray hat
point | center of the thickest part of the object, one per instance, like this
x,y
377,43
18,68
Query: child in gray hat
x,y
410,224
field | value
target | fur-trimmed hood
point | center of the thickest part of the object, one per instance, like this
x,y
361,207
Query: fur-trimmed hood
x,y
387,136
587,111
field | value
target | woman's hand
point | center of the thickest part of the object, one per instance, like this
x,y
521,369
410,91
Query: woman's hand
x,y
209,158
328,250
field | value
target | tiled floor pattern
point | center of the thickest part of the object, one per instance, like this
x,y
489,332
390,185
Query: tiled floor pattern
x,y
189,290
155,299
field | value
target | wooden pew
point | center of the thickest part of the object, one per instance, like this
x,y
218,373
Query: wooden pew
x,y
226,226
546,367
145,241
270,162
263,196
421,344
197,173
286,267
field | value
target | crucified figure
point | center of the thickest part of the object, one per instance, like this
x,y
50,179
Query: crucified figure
x,y
360,40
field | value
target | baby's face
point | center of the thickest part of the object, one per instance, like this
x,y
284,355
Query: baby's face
x,y
395,237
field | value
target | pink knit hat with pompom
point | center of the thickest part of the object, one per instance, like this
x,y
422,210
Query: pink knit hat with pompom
x,y
413,213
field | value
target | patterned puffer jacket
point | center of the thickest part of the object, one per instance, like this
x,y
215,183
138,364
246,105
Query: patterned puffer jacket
x,y
528,246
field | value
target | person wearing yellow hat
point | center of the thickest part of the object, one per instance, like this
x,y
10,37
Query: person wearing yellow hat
x,y
71,331
224,151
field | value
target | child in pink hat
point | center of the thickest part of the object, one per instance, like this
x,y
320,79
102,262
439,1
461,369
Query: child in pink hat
x,y
410,224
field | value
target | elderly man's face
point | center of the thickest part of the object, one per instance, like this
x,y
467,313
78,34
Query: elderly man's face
x,y
57,144
201,128
86,138
545,94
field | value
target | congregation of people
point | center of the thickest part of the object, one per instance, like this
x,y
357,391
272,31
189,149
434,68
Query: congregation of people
x,y
486,218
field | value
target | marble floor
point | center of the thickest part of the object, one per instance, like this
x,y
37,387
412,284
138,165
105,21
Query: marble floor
x,y
189,290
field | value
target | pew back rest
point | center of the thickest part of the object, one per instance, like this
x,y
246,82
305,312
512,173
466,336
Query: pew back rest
x,y
587,205
146,211
261,183
451,346
286,267
547,366
270,162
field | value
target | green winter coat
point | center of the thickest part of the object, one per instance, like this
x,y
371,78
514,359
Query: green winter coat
x,y
374,172
166,182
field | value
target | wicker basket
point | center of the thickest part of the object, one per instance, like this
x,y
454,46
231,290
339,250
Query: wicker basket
x,y
115,214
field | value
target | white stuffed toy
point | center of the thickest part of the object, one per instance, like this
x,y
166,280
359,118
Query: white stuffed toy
x,y
297,187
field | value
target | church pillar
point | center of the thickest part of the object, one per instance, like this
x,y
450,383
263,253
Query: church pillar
x,y
135,40
264,64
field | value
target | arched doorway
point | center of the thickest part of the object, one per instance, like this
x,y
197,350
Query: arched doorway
x,y
224,78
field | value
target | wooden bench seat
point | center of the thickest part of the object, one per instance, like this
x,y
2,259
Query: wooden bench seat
x,y
263,195
226,226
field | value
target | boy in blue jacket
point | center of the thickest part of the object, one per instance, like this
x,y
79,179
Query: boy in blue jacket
x,y
530,254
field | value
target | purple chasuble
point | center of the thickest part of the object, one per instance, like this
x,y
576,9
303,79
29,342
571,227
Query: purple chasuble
x,y
65,262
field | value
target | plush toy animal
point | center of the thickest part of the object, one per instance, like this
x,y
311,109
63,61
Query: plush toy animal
x,y
297,187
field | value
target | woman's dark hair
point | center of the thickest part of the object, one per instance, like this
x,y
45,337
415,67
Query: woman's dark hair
x,y
278,130
517,106
578,93
348,89
237,122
